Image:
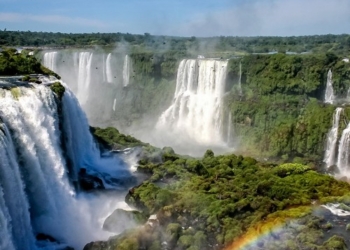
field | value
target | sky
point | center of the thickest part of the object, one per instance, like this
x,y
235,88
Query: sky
x,y
202,18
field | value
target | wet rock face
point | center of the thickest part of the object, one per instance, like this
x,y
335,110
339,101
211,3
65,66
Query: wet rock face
x,y
41,237
89,182
97,245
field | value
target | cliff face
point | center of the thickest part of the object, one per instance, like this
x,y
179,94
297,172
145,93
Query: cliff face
x,y
273,104
281,111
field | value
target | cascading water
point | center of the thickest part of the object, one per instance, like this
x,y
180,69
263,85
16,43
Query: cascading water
x,y
35,193
126,71
50,60
104,69
109,73
13,208
229,129
84,75
343,162
114,104
329,95
80,146
332,138
196,111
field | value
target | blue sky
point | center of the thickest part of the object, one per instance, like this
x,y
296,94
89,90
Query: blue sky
x,y
179,17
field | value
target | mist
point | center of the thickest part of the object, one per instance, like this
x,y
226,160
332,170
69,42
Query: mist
x,y
112,94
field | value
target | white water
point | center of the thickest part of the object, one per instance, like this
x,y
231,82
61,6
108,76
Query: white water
x,y
229,129
196,112
109,73
84,76
15,231
50,60
35,175
329,95
104,69
126,71
114,104
334,209
332,138
344,152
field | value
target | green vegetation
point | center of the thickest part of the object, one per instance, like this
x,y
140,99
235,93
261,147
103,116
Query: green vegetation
x,y
213,46
216,200
211,202
111,138
281,113
14,63
220,200
58,89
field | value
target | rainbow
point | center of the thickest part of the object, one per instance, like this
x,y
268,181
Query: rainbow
x,y
268,230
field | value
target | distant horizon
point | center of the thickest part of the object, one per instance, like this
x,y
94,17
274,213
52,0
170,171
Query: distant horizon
x,y
209,18
252,36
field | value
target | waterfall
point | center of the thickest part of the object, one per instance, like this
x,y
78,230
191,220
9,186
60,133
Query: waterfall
x,y
84,75
104,75
80,146
76,62
332,138
13,206
35,193
229,128
196,111
109,74
114,103
50,60
329,95
6,240
344,152
126,71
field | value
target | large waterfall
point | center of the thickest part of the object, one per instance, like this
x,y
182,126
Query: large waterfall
x,y
35,192
332,138
196,111
329,95
49,60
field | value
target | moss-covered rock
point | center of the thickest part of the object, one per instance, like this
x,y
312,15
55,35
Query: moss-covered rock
x,y
58,89
121,220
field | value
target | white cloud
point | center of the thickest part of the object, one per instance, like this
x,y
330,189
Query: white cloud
x,y
282,18
53,19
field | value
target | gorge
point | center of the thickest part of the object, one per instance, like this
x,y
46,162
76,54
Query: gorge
x,y
258,98
273,107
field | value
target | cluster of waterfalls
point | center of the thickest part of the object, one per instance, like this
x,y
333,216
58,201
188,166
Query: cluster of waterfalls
x,y
43,148
196,111
195,117
337,150
83,69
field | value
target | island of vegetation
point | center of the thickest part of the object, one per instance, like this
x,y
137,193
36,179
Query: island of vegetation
x,y
216,202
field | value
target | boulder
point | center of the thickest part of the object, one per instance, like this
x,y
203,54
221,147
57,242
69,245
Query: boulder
x,y
121,220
